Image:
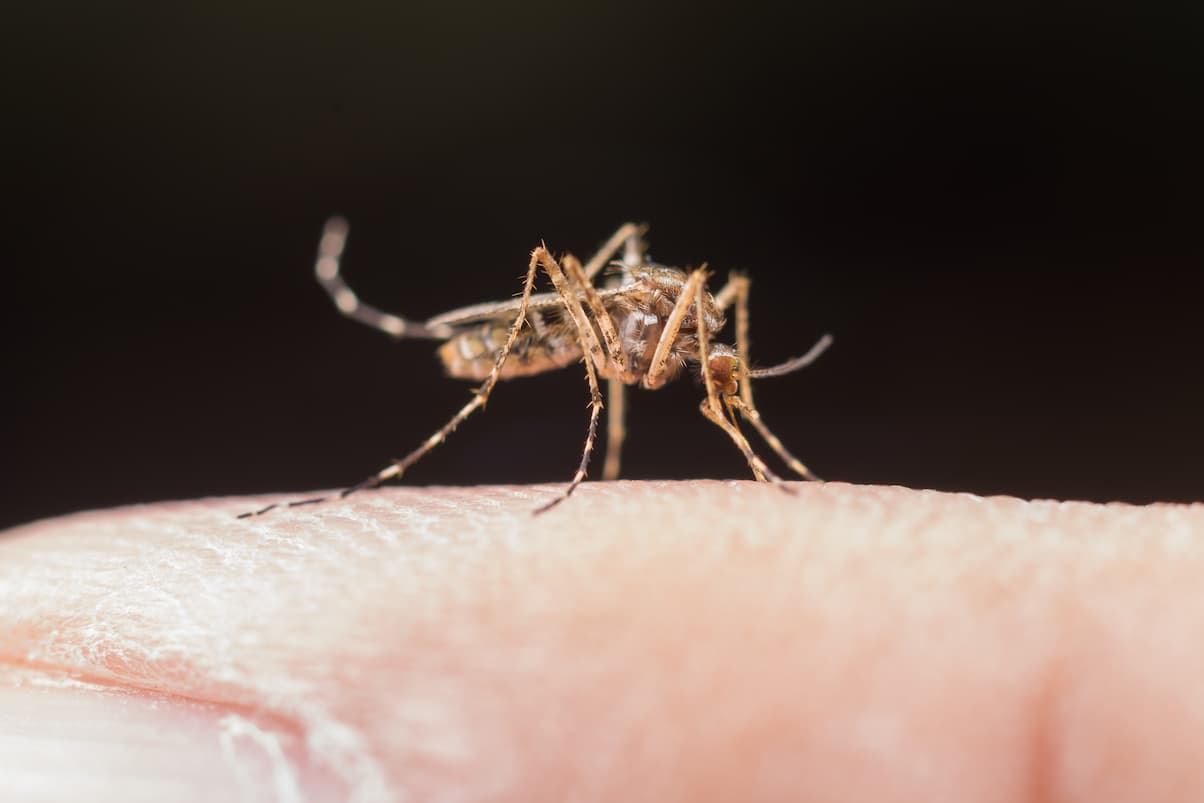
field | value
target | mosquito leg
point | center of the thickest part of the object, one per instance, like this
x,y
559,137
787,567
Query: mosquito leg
x,y
692,294
736,289
589,347
656,375
327,269
753,416
627,235
595,407
635,251
572,303
720,414
616,390
616,427
736,283
544,301
760,471
606,325
398,467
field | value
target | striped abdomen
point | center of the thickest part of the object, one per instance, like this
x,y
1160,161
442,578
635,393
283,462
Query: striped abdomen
x,y
472,354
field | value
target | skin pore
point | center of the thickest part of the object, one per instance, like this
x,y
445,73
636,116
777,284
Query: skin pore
x,y
658,641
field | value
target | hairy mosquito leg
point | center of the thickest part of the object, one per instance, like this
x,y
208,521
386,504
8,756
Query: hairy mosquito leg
x,y
634,253
692,294
627,235
327,269
595,407
398,467
589,347
572,303
616,427
736,289
760,470
606,325
736,283
715,411
753,416
656,376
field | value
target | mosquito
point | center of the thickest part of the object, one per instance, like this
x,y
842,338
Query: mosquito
x,y
647,325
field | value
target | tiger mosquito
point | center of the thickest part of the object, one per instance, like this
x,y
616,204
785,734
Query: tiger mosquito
x,y
645,326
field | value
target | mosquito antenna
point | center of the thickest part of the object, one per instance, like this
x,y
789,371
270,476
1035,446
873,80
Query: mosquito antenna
x,y
793,365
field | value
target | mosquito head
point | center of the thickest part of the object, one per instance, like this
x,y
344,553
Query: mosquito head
x,y
725,368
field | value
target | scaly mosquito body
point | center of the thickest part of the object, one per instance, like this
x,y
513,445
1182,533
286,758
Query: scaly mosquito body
x,y
644,328
472,354
639,309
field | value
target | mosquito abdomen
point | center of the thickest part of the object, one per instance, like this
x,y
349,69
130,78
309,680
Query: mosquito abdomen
x,y
472,354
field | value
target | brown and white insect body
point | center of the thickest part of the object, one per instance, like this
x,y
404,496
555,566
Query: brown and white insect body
x,y
643,328
472,354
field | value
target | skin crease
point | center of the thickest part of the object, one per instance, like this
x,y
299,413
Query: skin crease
x,y
644,641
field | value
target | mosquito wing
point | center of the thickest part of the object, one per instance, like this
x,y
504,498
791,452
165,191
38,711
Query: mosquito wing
x,y
540,302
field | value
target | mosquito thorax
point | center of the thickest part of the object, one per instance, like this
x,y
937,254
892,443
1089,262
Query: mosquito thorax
x,y
660,286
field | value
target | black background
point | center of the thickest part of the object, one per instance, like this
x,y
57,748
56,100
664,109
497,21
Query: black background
x,y
995,208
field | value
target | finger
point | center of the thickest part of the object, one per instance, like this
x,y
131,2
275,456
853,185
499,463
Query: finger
x,y
648,641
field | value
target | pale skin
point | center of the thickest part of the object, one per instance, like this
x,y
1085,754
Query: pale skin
x,y
673,641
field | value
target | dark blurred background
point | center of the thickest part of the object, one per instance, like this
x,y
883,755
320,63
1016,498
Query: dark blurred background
x,y
996,208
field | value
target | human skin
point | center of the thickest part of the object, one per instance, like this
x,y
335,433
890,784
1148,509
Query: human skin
x,y
643,641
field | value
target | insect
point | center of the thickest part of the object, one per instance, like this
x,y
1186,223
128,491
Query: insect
x,y
647,325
